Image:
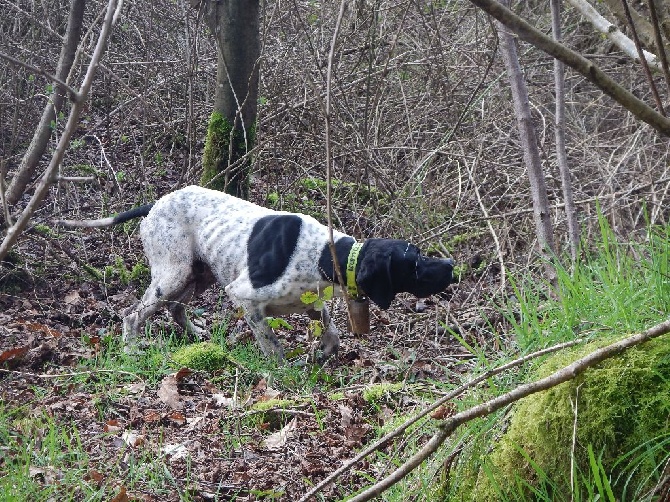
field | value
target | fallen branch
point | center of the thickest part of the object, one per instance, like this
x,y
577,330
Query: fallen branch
x,y
565,374
446,398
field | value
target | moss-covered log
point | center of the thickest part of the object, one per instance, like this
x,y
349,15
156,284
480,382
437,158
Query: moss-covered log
x,y
619,410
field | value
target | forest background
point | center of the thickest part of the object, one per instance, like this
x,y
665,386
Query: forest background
x,y
428,138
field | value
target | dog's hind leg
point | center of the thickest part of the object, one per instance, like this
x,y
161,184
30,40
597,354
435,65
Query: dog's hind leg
x,y
178,310
202,279
264,335
167,284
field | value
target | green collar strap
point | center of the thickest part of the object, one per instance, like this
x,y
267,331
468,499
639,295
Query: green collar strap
x,y
352,289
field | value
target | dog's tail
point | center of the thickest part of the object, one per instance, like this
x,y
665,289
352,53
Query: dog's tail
x,y
137,212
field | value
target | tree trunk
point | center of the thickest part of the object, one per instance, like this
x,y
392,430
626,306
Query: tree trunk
x,y
40,141
232,128
559,131
49,175
531,154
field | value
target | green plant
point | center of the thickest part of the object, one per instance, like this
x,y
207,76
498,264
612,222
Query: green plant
x,y
619,409
205,356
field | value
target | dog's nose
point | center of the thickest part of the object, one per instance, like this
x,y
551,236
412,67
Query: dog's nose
x,y
449,261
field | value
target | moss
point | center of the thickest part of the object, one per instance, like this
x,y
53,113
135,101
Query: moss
x,y
622,404
336,396
218,151
205,356
272,404
376,392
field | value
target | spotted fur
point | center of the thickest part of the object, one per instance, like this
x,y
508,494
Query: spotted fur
x,y
264,259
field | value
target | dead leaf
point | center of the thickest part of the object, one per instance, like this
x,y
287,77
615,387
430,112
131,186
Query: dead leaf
x,y
152,416
260,386
135,388
14,355
182,373
356,433
228,402
346,412
112,426
175,451
278,439
443,412
169,393
195,423
122,496
72,298
132,439
96,477
49,475
269,395
176,417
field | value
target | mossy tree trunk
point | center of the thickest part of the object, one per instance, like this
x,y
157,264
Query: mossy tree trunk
x,y
231,132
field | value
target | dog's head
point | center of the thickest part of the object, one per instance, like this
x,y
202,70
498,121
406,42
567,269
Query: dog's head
x,y
388,267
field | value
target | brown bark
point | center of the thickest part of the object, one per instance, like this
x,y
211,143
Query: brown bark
x,y
559,132
40,140
235,25
531,153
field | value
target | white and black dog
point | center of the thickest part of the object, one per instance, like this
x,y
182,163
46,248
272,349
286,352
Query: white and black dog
x,y
265,260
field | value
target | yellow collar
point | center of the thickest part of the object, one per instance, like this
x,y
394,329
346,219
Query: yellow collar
x,y
352,289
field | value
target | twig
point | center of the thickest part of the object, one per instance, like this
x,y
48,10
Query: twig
x,y
69,375
499,252
329,161
643,60
565,374
3,199
574,443
75,179
74,95
660,46
447,397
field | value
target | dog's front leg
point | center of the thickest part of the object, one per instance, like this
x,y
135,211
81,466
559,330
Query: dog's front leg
x,y
264,335
330,340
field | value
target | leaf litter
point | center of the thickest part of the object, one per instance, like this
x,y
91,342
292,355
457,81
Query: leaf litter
x,y
208,437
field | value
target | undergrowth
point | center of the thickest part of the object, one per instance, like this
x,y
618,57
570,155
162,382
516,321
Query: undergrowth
x,y
606,434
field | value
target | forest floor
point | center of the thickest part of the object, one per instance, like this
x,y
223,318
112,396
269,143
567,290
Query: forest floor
x,y
146,429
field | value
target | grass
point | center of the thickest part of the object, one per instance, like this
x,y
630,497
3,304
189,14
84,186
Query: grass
x,y
618,289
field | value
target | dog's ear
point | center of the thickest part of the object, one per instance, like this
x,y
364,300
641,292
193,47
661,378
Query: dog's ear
x,y
373,274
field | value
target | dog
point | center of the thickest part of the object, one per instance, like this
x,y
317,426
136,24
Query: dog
x,y
264,259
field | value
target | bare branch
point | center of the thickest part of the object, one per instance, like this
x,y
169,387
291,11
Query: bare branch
x,y
74,95
563,375
559,134
643,60
43,132
13,233
578,62
612,31
329,160
660,46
